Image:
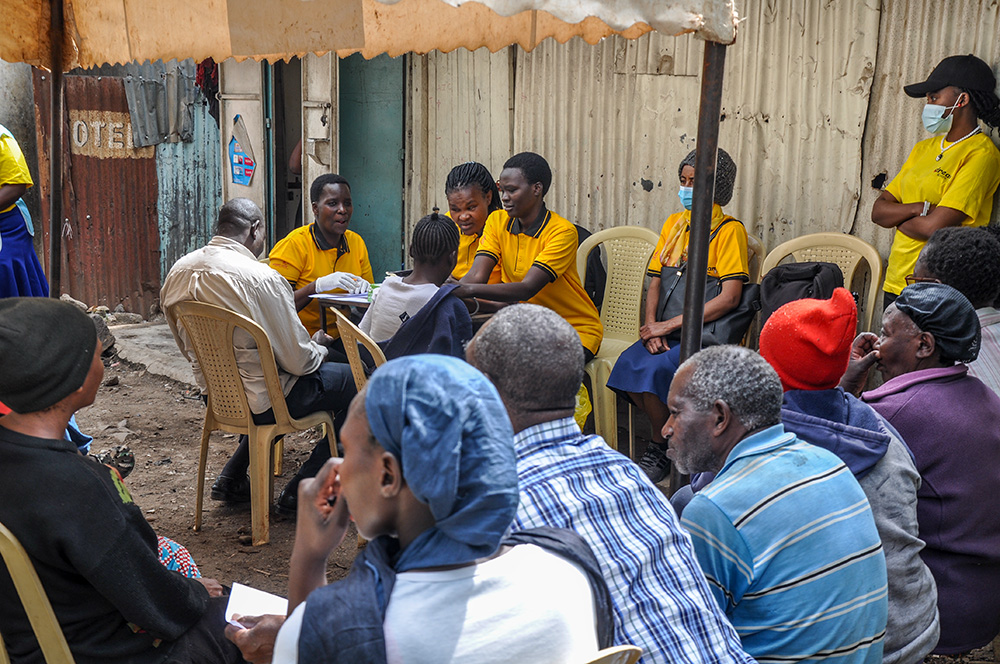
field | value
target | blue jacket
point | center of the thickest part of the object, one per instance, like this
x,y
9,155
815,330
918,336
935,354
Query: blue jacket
x,y
442,326
342,623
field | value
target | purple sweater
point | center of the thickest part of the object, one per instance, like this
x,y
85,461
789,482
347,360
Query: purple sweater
x,y
951,422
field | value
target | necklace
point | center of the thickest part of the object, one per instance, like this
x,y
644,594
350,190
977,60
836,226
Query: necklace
x,y
945,149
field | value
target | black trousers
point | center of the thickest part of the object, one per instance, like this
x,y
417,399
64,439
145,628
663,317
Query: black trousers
x,y
331,387
206,642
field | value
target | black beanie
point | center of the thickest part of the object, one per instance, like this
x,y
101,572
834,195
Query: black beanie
x,y
46,349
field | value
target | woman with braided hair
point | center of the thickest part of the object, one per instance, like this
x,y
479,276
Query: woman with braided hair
x,y
472,195
398,299
949,179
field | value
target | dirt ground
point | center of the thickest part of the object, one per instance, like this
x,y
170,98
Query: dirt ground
x,y
161,422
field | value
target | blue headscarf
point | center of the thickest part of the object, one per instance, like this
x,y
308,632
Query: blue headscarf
x,y
445,423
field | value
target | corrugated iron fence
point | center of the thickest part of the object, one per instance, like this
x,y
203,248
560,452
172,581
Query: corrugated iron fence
x,y
130,211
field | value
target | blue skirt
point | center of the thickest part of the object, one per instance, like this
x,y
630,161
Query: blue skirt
x,y
21,274
638,371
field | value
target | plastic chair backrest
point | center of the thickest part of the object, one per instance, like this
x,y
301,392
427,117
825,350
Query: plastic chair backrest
x,y
352,336
755,256
618,655
210,330
628,249
846,251
35,602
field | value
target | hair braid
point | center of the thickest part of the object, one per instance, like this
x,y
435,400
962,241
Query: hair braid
x,y
986,105
434,236
472,173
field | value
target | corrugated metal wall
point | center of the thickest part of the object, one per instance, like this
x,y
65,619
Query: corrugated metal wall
x,y
813,110
458,110
794,104
189,177
914,37
110,235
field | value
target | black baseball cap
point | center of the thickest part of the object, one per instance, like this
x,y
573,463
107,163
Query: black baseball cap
x,y
963,71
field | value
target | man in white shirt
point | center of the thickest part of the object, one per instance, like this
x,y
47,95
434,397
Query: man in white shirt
x,y
226,273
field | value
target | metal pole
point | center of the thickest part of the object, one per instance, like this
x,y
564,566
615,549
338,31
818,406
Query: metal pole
x,y
704,196
701,210
56,33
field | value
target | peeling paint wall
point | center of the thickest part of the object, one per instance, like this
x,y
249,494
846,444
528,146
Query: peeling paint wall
x,y
189,178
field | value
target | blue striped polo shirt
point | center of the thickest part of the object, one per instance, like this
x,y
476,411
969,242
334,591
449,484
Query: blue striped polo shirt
x,y
789,547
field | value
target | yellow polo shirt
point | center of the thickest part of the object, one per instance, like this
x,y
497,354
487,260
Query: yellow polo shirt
x,y
13,167
965,180
303,256
727,252
552,247
468,245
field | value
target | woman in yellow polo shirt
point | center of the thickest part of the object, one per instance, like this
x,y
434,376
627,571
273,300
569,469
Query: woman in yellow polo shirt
x,y
948,179
536,251
472,196
325,255
645,369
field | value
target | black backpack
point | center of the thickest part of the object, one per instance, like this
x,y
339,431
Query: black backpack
x,y
795,281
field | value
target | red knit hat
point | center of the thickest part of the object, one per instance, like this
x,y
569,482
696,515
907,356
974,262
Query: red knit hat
x,y
808,342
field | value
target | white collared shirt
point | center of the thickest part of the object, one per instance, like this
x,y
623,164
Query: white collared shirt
x,y
226,274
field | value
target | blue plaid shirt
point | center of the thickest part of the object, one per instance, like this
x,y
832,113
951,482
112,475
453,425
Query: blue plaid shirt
x,y
661,600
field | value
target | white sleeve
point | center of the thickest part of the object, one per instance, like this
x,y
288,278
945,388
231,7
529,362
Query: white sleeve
x,y
286,646
273,308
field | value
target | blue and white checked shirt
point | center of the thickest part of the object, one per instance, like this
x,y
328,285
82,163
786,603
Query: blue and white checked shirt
x,y
661,600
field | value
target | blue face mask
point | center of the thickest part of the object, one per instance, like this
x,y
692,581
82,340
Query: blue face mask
x,y
934,120
686,195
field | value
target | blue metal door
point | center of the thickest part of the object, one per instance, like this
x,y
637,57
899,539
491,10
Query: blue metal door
x,y
371,154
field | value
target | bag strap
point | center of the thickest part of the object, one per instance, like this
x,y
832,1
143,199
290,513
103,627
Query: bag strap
x,y
683,266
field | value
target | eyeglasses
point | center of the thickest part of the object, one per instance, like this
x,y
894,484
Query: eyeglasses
x,y
914,279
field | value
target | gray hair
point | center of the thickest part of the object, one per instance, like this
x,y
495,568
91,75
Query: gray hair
x,y
532,355
740,378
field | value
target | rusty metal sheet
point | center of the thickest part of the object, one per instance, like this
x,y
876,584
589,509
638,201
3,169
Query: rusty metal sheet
x,y
110,236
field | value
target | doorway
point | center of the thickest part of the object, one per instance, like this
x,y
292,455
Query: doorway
x,y
371,154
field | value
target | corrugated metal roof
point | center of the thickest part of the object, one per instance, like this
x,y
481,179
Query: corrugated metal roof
x,y
110,238
189,177
915,37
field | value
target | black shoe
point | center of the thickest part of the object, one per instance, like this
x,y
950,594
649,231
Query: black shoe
x,y
288,502
231,489
654,463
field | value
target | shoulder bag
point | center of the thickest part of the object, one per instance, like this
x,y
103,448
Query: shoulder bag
x,y
731,327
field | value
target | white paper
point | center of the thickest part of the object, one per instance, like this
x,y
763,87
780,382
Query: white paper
x,y
360,299
247,601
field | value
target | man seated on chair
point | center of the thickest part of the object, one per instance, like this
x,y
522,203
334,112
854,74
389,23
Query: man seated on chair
x,y
569,480
784,533
226,273
115,601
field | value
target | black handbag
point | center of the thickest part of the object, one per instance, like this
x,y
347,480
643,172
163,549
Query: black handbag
x,y
730,328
